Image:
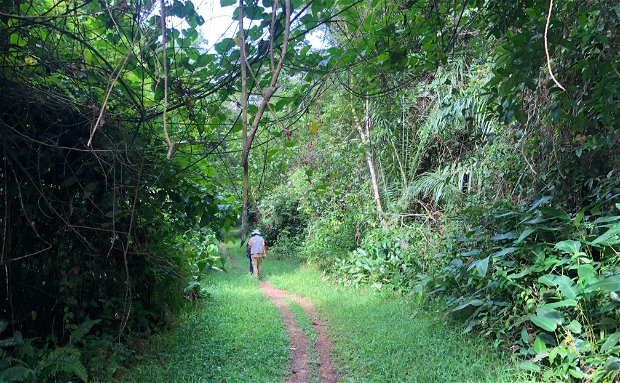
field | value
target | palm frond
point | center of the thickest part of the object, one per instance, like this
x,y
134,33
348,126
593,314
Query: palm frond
x,y
445,185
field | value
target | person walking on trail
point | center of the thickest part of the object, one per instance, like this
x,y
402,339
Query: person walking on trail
x,y
258,251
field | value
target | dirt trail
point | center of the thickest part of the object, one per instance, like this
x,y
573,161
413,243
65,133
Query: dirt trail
x,y
300,367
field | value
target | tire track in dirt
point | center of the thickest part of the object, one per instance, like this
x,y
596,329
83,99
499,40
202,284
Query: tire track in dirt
x,y
300,366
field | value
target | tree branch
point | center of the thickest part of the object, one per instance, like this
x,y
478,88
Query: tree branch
x,y
547,47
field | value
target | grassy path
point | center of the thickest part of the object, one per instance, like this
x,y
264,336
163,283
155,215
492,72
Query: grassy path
x,y
239,336
382,338
236,335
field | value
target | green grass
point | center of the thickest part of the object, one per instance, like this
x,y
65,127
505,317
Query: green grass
x,y
380,337
236,335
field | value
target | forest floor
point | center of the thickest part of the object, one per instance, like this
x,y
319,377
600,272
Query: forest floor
x,y
288,327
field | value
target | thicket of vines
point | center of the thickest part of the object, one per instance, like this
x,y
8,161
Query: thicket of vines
x,y
103,239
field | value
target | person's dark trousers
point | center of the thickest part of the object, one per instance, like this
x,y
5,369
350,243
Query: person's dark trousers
x,y
247,254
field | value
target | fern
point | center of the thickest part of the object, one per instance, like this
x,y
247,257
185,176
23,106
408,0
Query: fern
x,y
446,184
8,342
80,331
12,341
63,360
16,374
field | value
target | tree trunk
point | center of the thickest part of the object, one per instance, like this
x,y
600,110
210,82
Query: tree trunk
x,y
365,136
248,136
244,125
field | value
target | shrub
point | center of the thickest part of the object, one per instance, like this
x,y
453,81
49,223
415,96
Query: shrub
x,y
328,237
545,281
397,257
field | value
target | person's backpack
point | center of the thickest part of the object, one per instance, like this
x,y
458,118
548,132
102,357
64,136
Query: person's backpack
x,y
248,251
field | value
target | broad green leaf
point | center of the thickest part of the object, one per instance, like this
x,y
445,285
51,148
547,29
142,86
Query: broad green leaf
x,y
586,272
539,345
612,363
552,354
610,237
471,253
472,302
543,323
609,284
610,342
547,279
529,366
578,218
254,12
582,345
237,127
614,218
272,152
226,3
569,246
520,274
15,374
504,236
525,234
224,45
18,337
281,103
564,303
574,327
505,251
540,202
525,338
577,373
547,319
555,213
567,286
483,266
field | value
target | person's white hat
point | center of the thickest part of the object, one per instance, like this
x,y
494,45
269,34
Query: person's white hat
x,y
256,232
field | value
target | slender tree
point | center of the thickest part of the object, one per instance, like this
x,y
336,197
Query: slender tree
x,y
267,94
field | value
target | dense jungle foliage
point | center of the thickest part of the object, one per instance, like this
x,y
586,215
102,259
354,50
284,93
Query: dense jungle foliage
x,y
422,146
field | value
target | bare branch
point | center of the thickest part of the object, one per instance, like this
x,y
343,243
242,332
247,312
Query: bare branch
x,y
164,41
273,31
272,88
547,47
111,84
